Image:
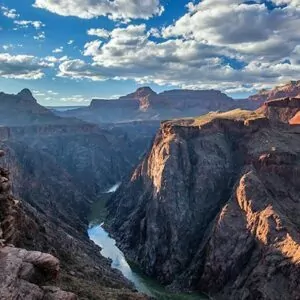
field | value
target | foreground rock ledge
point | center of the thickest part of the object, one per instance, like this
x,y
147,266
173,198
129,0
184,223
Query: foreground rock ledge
x,y
23,274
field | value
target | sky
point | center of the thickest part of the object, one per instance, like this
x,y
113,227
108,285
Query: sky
x,y
71,51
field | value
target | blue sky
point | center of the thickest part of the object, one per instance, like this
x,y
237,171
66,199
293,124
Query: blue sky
x,y
69,51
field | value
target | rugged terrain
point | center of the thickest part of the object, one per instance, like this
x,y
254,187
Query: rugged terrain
x,y
92,157
285,110
83,270
214,205
58,167
31,274
144,104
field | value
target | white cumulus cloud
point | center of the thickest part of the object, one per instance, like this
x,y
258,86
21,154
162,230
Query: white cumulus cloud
x,y
22,66
40,36
230,63
53,59
114,9
249,28
100,32
75,99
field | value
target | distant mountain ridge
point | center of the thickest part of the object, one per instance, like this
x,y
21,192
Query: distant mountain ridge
x,y
142,104
146,104
290,89
23,109
148,100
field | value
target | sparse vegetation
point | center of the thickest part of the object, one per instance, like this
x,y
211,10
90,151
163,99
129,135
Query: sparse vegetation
x,y
236,114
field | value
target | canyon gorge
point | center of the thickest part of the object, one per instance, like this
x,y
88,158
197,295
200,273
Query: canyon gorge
x,y
208,200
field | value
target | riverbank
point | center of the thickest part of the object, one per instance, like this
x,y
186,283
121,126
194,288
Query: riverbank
x,y
142,283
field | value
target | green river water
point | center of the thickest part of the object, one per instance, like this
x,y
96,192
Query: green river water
x,y
142,283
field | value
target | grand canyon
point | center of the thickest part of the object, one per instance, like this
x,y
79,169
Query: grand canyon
x,y
149,150
207,204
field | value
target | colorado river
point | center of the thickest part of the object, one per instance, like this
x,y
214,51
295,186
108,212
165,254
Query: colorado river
x,y
109,250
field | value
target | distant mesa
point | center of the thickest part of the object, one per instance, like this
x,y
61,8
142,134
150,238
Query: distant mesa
x,y
146,104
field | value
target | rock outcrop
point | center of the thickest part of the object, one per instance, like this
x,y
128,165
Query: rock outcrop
x,y
27,96
295,120
282,110
24,273
214,207
143,96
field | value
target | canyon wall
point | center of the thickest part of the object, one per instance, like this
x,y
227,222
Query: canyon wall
x,y
213,207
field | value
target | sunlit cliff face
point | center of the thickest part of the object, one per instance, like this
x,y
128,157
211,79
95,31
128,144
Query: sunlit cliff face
x,y
295,120
158,160
262,219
